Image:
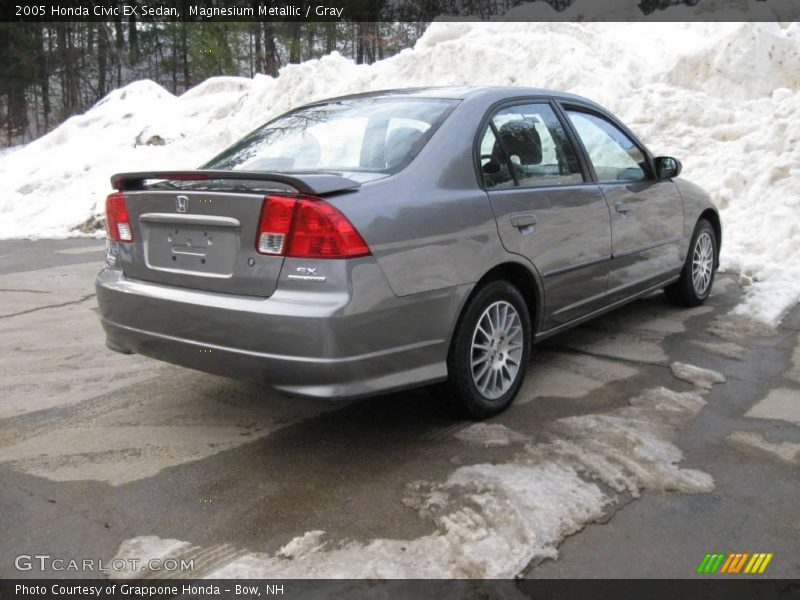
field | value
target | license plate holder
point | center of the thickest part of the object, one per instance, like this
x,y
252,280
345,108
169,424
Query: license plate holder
x,y
204,249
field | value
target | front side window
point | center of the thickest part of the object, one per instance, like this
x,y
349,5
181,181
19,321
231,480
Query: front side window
x,y
614,155
380,135
529,149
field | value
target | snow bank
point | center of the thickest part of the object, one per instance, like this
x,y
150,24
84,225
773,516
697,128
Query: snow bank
x,y
725,98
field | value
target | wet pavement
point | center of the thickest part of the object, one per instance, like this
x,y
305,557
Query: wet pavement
x,y
639,442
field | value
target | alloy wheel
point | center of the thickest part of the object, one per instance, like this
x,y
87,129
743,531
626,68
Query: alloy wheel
x,y
496,352
702,263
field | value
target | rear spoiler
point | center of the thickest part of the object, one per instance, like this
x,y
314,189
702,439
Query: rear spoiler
x,y
305,183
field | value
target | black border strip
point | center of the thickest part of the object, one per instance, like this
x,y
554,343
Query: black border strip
x,y
396,11
730,588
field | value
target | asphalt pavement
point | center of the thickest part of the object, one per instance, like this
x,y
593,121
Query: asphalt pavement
x,y
640,442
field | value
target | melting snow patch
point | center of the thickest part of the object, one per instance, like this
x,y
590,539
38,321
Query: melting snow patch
x,y
489,435
780,403
493,520
787,451
723,349
793,372
308,542
570,375
738,329
697,376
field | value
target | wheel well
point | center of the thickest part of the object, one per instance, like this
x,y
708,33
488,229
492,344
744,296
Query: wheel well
x,y
712,217
522,278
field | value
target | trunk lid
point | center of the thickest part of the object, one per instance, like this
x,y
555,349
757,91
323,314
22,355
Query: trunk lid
x,y
201,232
211,246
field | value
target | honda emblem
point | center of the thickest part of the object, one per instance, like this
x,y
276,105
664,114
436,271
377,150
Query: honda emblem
x,y
182,204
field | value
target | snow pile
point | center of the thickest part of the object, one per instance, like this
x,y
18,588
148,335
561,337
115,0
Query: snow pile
x,y
697,376
491,520
724,97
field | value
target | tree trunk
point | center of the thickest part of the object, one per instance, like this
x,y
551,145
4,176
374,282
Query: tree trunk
x,y
185,56
174,62
271,61
259,59
330,37
360,40
17,109
133,41
256,32
102,60
120,44
310,40
90,39
43,75
294,43
65,56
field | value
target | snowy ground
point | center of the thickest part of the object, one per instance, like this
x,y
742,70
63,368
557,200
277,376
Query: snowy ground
x,y
725,98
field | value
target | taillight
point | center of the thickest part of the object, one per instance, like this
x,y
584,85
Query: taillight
x,y
306,227
118,225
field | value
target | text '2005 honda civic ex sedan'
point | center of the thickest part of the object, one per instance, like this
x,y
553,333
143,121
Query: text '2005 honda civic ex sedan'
x,y
386,240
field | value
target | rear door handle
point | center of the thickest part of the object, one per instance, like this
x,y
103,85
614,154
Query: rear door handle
x,y
622,208
523,220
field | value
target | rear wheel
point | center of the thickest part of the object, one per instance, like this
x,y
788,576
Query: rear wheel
x,y
489,354
697,276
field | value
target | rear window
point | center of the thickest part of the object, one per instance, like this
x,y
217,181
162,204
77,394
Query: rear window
x,y
372,135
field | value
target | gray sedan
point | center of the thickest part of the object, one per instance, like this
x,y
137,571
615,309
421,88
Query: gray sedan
x,y
401,238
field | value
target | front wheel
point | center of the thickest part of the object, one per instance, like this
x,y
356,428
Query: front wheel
x,y
489,354
697,276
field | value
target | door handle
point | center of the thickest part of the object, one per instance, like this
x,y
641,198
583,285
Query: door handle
x,y
622,208
523,220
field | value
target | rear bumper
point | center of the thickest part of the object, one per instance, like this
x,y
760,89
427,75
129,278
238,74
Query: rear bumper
x,y
325,345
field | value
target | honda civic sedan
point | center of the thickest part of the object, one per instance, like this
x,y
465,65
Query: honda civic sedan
x,y
394,239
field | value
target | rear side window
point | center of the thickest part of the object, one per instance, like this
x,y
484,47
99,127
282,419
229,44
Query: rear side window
x,y
526,145
614,155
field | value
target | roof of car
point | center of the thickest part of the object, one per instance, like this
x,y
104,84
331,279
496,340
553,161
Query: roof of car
x,y
461,92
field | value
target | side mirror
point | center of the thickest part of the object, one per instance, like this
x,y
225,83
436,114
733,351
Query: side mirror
x,y
668,167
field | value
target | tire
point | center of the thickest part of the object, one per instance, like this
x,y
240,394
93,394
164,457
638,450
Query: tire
x,y
701,260
503,352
